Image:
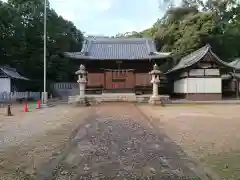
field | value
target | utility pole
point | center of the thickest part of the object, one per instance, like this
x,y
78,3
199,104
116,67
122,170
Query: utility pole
x,y
44,94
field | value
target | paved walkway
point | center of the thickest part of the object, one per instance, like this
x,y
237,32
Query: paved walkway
x,y
118,142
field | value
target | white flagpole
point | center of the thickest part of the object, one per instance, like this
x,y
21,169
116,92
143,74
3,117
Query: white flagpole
x,y
45,96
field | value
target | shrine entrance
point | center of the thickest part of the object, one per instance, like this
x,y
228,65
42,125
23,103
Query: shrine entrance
x,y
119,79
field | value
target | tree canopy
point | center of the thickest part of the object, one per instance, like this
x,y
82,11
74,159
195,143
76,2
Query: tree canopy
x,y
21,41
195,23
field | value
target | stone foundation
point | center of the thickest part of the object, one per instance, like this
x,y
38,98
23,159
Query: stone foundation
x,y
80,101
157,100
113,97
154,100
203,97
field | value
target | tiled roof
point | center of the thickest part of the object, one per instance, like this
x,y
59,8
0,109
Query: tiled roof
x,y
235,64
117,48
195,57
12,73
230,76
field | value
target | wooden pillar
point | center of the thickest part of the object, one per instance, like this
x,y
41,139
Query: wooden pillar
x,y
237,88
187,84
104,85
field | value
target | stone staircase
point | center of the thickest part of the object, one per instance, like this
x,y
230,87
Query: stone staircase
x,y
118,97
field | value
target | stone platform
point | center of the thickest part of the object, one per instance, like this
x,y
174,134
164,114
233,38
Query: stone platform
x,y
117,97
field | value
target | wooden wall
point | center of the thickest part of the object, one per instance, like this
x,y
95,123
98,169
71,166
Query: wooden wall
x,y
97,75
95,79
143,79
131,80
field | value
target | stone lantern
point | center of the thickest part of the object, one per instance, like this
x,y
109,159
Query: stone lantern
x,y
82,80
155,80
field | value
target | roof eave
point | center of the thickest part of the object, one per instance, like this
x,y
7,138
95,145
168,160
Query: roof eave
x,y
122,58
19,77
235,64
163,53
221,61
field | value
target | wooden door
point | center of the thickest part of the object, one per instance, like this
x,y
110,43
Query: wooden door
x,y
108,80
119,79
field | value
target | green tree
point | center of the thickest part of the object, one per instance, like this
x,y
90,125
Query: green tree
x,y
194,23
22,40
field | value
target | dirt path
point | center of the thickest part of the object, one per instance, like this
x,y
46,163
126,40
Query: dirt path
x,y
118,142
27,140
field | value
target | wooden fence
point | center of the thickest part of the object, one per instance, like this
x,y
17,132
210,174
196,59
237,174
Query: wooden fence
x,y
15,96
65,89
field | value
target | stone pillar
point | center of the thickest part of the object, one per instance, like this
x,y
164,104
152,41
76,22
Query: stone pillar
x,y
155,73
82,80
155,89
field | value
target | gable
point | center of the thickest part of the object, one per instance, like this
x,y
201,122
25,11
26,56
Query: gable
x,y
202,56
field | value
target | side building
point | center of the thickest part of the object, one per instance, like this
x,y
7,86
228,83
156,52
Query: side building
x,y
198,76
231,80
9,78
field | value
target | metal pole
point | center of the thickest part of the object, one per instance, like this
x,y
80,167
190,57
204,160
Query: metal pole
x,y
45,46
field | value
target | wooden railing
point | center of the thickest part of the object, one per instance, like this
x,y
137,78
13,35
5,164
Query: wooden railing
x,y
65,85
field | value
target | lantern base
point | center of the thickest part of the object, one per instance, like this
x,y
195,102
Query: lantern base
x,y
154,100
82,101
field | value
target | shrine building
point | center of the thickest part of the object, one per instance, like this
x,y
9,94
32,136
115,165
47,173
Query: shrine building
x,y
119,64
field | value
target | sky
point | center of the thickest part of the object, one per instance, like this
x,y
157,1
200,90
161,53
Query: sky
x,y
109,17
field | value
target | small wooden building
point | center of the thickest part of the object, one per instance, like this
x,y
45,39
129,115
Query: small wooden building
x,y
119,64
231,80
198,75
8,77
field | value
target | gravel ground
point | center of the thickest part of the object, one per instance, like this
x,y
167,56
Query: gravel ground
x,y
29,139
208,133
119,142
20,128
199,128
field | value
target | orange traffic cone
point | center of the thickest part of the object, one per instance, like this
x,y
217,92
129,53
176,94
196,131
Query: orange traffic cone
x,y
38,104
25,108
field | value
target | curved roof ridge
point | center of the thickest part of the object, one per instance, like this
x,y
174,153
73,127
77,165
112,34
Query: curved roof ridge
x,y
204,48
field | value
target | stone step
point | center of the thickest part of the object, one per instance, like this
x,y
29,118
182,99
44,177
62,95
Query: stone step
x,y
107,98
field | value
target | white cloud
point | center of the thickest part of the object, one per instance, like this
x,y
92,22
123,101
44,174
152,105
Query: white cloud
x,y
102,5
109,17
75,10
